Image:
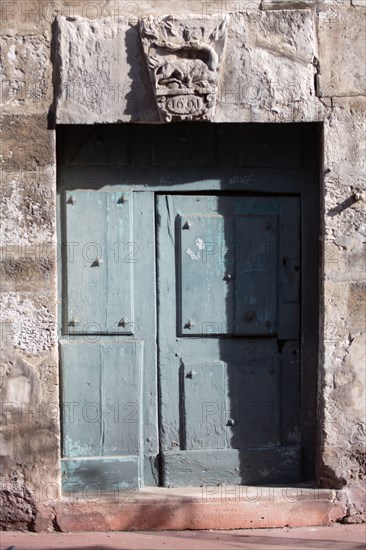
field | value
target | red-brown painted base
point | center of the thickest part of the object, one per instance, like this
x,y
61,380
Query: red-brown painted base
x,y
224,507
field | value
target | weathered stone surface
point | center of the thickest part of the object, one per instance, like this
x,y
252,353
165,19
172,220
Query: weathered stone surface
x,y
26,16
30,410
27,268
344,171
287,4
342,33
27,215
269,74
266,75
111,49
25,73
342,381
342,385
17,507
28,181
27,144
29,443
354,499
30,321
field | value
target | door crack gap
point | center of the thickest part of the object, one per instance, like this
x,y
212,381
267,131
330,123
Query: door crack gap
x,y
169,219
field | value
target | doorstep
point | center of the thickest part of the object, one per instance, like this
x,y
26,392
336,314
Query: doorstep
x,y
208,507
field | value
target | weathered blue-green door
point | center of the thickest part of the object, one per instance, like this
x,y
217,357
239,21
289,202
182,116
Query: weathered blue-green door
x,y
188,287
228,290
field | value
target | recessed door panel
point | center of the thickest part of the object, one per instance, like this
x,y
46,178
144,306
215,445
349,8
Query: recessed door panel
x,y
228,276
101,420
101,392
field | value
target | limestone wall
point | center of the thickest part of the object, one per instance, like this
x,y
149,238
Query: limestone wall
x,y
302,63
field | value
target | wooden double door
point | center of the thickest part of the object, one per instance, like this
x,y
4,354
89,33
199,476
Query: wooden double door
x,y
188,291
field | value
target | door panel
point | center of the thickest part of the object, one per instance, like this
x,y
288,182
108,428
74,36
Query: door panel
x,y
228,282
102,408
99,292
271,146
101,395
289,270
221,367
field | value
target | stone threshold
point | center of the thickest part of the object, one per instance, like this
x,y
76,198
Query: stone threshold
x,y
208,507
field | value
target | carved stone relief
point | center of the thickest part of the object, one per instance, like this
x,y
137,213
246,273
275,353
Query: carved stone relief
x,y
183,58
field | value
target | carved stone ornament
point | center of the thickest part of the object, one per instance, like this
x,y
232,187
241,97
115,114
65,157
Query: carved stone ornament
x,y
183,58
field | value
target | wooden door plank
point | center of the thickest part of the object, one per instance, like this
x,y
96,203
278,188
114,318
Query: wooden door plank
x,y
256,241
290,392
206,292
254,412
121,398
81,383
289,269
203,392
270,145
182,145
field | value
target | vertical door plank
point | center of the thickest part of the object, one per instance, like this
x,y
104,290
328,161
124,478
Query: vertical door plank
x,y
81,414
206,295
290,392
289,270
256,274
254,402
120,397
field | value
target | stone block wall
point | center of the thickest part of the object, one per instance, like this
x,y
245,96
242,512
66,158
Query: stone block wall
x,y
290,61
